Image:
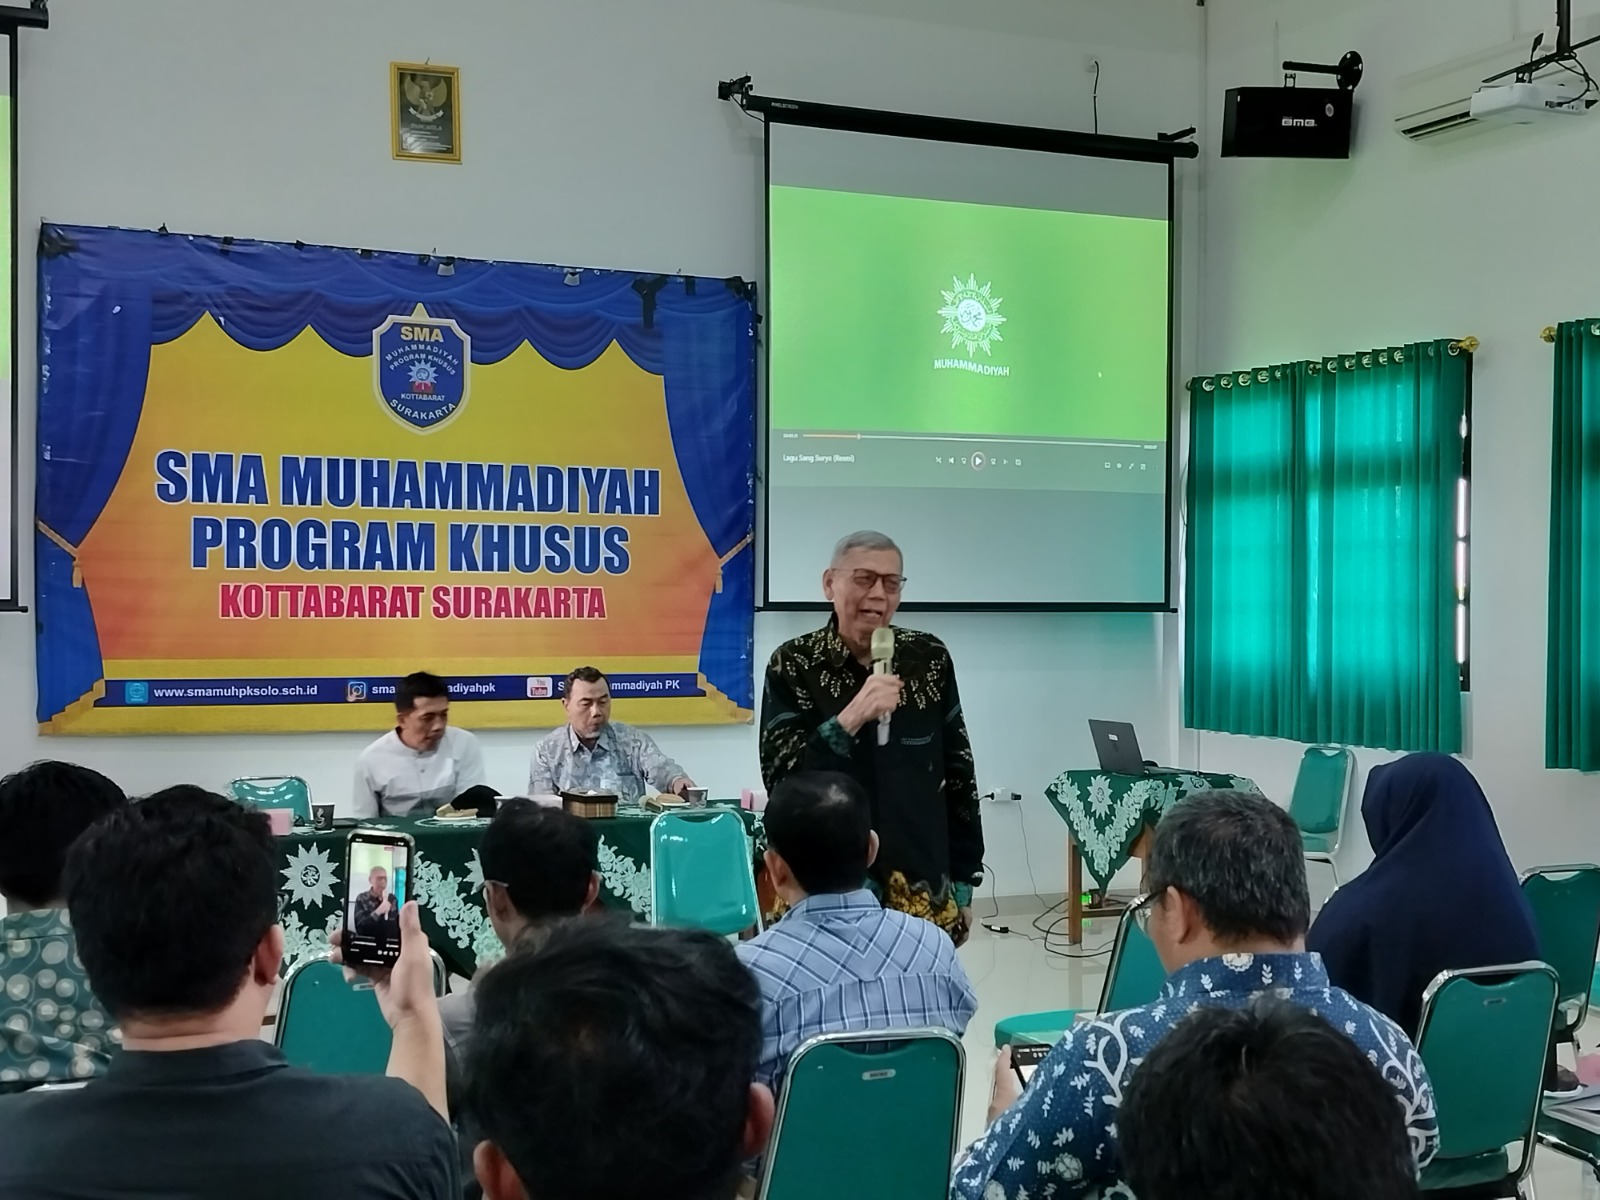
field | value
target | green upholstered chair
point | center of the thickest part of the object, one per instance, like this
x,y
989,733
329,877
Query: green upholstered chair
x,y
1483,1037
333,1027
1570,1138
1134,976
1321,802
700,872
1566,908
867,1114
275,791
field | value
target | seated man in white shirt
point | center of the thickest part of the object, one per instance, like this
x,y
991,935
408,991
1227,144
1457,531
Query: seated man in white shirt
x,y
422,763
593,752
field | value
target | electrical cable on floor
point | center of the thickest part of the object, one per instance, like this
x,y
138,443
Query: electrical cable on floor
x,y
994,892
1053,930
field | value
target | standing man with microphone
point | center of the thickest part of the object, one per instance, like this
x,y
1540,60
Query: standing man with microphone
x,y
880,704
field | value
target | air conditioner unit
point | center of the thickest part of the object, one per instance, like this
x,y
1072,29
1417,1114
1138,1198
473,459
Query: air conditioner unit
x,y
1438,101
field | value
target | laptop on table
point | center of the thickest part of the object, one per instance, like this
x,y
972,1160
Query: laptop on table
x,y
1117,747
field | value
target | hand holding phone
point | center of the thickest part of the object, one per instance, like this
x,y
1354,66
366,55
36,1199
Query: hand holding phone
x,y
405,988
1006,1090
405,997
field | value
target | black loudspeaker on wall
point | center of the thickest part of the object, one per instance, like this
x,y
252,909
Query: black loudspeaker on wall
x,y
1293,122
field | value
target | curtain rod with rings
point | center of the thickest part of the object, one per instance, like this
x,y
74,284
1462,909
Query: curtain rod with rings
x,y
1548,333
1466,345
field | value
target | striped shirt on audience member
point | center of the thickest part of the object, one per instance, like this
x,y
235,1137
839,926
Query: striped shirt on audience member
x,y
842,963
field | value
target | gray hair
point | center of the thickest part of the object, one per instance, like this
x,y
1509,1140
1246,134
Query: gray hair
x,y
864,539
1240,858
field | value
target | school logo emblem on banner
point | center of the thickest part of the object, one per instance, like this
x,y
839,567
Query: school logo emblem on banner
x,y
420,367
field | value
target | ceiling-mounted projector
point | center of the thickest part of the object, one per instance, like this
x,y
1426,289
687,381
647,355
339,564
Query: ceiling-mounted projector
x,y
1527,102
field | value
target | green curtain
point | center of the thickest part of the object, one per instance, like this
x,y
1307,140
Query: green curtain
x,y
1240,589
1572,708
1321,548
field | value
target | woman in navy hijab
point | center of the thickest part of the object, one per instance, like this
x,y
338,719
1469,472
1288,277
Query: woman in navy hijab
x,y
1440,895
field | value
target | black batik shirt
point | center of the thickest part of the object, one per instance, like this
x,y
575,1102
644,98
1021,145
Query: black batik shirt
x,y
922,785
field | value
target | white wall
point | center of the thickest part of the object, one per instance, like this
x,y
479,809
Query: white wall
x,y
1489,236
591,137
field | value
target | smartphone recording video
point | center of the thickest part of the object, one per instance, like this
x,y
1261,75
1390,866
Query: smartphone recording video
x,y
378,876
1026,1058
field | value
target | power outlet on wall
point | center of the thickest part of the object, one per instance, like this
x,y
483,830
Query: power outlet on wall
x,y
1001,795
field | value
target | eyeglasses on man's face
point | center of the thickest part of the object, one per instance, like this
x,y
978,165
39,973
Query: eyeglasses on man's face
x,y
866,580
1142,907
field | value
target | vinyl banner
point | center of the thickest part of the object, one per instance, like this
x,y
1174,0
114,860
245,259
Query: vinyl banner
x,y
274,478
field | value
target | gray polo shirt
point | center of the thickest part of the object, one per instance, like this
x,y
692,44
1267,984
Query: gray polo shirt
x,y
232,1122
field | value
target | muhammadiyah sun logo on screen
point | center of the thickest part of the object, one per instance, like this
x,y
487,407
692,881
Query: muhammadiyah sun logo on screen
x,y
420,369
971,316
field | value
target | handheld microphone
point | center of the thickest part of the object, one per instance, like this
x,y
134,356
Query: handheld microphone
x,y
882,660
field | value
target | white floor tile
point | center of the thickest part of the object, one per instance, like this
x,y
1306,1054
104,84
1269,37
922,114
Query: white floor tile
x,y
1015,973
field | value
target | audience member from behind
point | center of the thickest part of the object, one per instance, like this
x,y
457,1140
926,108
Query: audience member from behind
x,y
1260,1103
839,961
1440,895
539,865
1227,913
613,1062
174,902
52,1029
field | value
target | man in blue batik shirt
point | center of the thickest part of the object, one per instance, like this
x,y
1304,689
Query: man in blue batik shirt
x,y
1227,910
593,751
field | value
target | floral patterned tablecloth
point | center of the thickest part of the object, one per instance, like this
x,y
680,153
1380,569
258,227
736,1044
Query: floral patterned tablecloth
x,y
446,881
1106,813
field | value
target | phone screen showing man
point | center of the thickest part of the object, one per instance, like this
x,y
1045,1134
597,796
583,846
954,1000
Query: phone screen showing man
x,y
377,875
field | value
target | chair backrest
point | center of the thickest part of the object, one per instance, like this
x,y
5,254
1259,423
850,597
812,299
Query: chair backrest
x,y
1320,788
1566,908
867,1114
1134,976
700,873
1483,1037
333,1027
275,791
329,1026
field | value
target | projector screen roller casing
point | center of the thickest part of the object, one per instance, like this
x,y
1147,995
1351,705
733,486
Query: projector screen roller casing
x,y
969,348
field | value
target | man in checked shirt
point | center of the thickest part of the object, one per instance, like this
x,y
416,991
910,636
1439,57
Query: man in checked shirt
x,y
838,961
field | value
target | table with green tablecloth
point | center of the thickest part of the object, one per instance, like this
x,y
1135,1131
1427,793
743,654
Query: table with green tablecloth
x,y
1109,817
446,881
